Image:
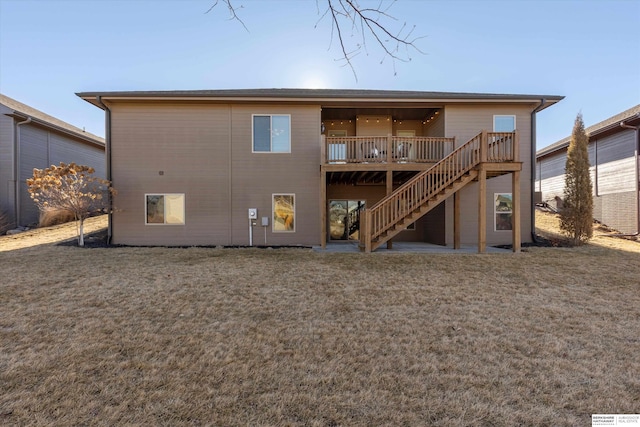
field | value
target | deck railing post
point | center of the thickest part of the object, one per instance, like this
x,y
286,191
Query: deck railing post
x,y
323,150
389,147
367,230
516,146
484,145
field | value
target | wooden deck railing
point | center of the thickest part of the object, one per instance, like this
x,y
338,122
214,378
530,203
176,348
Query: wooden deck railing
x,y
381,149
484,147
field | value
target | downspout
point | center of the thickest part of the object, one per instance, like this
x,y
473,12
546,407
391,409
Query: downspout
x,y
108,165
534,237
637,158
16,170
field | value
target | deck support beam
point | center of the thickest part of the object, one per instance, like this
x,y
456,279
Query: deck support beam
x,y
482,210
389,182
456,220
515,215
323,194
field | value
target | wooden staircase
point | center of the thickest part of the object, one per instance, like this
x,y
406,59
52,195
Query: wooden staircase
x,y
428,189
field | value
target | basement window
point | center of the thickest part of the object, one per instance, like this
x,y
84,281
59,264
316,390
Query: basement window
x,y
271,133
284,213
164,209
503,211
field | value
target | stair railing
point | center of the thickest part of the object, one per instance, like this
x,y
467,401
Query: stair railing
x,y
484,147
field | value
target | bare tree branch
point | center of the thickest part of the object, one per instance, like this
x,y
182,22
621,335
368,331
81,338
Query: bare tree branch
x,y
233,16
367,22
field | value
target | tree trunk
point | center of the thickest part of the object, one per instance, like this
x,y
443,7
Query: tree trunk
x,y
81,234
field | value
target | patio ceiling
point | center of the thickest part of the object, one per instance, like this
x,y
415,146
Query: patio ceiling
x,y
395,113
367,177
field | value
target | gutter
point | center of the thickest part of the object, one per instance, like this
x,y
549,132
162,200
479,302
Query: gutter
x,y
534,236
16,169
107,153
637,156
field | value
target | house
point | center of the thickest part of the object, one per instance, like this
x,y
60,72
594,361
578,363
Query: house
x,y
615,169
310,167
32,139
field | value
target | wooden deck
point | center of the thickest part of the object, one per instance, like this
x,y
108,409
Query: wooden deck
x,y
442,170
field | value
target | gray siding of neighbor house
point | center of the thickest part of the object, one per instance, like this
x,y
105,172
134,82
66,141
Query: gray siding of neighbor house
x,y
612,160
205,151
7,184
39,147
464,122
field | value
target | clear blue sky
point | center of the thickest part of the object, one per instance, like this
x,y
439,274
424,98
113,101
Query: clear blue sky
x,y
585,50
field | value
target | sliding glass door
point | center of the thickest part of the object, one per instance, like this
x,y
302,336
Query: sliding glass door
x,y
344,219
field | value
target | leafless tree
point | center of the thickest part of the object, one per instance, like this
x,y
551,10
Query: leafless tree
x,y
348,19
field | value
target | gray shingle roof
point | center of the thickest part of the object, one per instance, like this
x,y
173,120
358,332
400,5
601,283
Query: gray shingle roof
x,y
24,110
632,113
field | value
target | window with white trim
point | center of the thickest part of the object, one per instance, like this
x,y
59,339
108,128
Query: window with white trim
x,y
284,213
506,123
503,211
164,209
271,133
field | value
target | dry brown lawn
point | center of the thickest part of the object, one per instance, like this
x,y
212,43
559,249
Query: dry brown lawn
x,y
199,336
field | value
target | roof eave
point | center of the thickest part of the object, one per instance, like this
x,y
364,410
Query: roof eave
x,y
394,98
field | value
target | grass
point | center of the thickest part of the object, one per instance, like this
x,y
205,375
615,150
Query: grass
x,y
156,336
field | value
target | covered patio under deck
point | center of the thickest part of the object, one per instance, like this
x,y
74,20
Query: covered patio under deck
x,y
401,162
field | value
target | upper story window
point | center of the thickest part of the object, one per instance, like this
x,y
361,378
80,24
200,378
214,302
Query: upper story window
x,y
504,123
271,133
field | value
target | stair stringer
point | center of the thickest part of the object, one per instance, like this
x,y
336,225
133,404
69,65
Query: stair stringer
x,y
420,194
418,213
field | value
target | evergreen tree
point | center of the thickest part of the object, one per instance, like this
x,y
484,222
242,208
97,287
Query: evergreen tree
x,y
576,215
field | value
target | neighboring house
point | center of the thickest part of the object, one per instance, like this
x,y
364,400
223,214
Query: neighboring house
x,y
307,167
613,156
32,139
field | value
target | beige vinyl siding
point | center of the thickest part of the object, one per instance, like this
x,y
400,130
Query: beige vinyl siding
x,y
436,127
466,121
412,125
371,194
255,177
180,148
346,125
205,151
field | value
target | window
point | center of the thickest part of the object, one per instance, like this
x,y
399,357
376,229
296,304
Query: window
x,y
164,208
284,213
503,211
504,123
406,133
271,133
338,132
